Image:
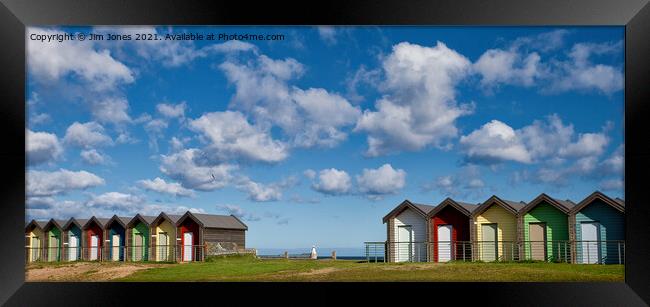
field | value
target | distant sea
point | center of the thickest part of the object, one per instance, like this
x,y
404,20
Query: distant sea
x,y
323,252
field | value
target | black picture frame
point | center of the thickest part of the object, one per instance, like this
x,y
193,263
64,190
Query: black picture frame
x,y
633,14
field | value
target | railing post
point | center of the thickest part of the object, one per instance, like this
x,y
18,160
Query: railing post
x,y
618,245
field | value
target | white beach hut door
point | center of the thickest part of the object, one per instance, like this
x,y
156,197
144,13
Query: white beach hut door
x,y
94,244
73,245
405,243
444,243
36,248
116,248
489,242
187,246
139,242
590,250
162,246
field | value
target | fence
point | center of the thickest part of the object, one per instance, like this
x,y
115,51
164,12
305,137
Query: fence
x,y
587,252
164,253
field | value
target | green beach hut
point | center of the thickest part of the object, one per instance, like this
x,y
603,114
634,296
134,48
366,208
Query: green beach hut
x,y
139,237
544,229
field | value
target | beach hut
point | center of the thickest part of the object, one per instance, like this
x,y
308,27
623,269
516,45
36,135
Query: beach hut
x,y
450,231
72,239
495,229
598,227
163,237
53,231
407,232
115,238
34,237
544,230
194,230
138,236
93,238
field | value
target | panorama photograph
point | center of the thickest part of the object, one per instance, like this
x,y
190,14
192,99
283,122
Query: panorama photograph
x,y
324,153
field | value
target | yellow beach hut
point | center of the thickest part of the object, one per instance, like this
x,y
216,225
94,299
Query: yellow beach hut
x,y
34,240
494,229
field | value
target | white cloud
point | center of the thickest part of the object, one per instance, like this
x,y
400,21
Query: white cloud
x,y
547,141
42,147
263,93
40,118
466,183
239,212
104,205
50,61
615,163
86,135
327,34
333,182
159,185
111,110
498,66
588,144
172,110
494,142
193,170
419,107
260,192
612,184
233,46
230,136
319,129
169,53
93,157
310,173
43,183
381,181
116,201
579,73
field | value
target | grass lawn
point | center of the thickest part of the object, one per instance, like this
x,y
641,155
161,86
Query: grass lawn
x,y
246,268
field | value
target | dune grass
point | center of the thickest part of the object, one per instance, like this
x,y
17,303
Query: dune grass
x,y
247,268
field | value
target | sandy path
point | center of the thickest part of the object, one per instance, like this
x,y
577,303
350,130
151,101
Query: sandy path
x,y
84,271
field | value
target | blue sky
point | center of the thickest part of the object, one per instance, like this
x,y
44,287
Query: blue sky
x,y
314,138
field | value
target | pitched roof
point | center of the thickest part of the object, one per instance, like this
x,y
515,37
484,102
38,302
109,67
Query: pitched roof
x,y
517,205
511,206
425,208
468,206
419,208
39,224
174,217
620,201
562,205
618,205
220,221
73,221
99,220
463,207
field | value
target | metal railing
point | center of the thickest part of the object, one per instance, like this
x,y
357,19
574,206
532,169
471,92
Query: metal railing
x,y
586,252
164,253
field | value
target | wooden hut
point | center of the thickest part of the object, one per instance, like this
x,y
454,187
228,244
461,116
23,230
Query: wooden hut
x,y
53,231
115,238
194,230
163,237
407,232
72,239
34,238
544,229
92,236
598,227
495,229
450,231
139,237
